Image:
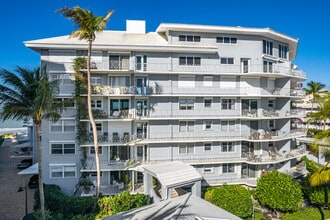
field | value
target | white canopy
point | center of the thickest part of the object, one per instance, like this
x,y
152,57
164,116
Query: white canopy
x,y
30,170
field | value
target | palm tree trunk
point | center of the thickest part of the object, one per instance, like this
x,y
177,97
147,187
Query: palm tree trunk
x,y
41,186
91,119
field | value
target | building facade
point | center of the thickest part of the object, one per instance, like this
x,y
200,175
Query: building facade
x,y
217,98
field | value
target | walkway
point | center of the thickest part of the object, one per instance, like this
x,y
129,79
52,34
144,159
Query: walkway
x,y
12,203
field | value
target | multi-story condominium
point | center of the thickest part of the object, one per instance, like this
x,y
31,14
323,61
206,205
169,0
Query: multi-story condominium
x,y
216,98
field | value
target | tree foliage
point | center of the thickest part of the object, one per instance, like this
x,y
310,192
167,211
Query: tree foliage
x,y
279,192
233,198
121,202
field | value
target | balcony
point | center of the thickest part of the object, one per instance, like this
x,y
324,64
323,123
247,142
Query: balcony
x,y
265,136
108,90
109,165
115,139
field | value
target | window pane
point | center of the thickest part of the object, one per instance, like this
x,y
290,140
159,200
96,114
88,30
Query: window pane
x,y
189,38
56,172
230,60
182,61
182,38
226,40
224,125
197,38
223,60
190,61
56,148
219,39
231,125
191,125
182,149
190,148
197,61
69,148
182,126
233,40
69,171
207,147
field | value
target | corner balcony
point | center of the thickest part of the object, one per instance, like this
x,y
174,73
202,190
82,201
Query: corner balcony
x,y
103,90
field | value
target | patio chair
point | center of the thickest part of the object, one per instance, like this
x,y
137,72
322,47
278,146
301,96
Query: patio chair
x,y
115,137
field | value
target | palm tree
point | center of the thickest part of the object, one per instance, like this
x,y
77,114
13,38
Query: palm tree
x,y
314,89
88,25
321,177
29,94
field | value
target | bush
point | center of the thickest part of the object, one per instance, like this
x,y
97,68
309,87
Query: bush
x,y
60,204
311,165
313,131
124,201
279,191
305,214
317,195
233,198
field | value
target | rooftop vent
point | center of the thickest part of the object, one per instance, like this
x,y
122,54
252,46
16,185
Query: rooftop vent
x,y
135,26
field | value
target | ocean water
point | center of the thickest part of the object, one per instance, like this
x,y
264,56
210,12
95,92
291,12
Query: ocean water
x,y
12,126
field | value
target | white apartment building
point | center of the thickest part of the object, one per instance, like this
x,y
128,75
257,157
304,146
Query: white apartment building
x,y
216,98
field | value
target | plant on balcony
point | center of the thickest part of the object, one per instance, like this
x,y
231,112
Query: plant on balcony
x,y
86,183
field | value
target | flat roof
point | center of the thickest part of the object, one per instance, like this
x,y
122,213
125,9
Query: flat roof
x,y
172,174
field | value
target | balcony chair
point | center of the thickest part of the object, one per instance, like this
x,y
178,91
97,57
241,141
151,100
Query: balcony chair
x,y
105,136
116,114
115,137
126,137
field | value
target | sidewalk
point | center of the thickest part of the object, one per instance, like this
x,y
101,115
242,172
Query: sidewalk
x,y
12,203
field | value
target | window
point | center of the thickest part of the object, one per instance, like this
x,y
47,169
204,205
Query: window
x,y
207,103
186,148
63,148
189,38
141,63
208,169
268,67
189,61
68,171
207,80
227,125
271,123
227,147
227,40
98,127
186,81
228,104
186,104
96,80
282,51
207,147
62,78
186,126
227,60
96,104
119,62
92,150
119,104
67,102
119,81
207,125
228,168
63,126
271,103
267,47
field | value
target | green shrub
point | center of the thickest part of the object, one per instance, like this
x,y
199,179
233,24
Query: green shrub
x,y
311,165
124,201
313,131
279,191
305,214
317,195
59,203
233,198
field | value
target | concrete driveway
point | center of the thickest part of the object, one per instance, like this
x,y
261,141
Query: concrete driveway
x,y
12,203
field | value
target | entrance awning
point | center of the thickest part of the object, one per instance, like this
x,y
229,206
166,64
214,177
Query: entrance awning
x,y
173,174
30,170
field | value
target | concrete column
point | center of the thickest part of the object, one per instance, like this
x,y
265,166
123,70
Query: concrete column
x,y
133,180
166,193
196,189
147,182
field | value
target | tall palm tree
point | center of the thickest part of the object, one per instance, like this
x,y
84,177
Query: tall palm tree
x,y
88,25
29,94
314,89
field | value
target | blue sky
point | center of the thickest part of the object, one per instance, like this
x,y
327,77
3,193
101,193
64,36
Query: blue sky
x,y
307,20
